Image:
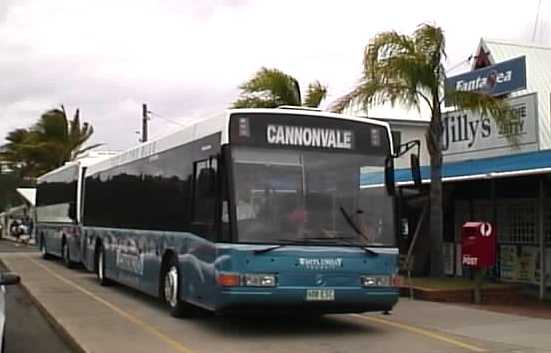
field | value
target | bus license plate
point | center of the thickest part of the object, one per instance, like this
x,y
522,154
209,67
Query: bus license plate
x,y
320,294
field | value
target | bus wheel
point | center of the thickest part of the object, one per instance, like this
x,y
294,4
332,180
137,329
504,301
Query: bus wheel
x,y
66,256
43,249
171,290
103,281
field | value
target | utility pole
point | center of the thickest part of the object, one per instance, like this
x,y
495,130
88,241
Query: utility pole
x,y
144,123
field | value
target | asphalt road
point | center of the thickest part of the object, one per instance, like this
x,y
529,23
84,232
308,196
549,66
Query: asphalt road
x,y
27,331
117,319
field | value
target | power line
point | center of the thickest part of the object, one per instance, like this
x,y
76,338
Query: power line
x,y
166,119
536,22
463,62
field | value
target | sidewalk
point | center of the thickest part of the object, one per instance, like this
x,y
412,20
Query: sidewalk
x,y
529,307
25,239
470,321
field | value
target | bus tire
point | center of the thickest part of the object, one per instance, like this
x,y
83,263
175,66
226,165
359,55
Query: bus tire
x,y
66,256
100,273
170,290
43,249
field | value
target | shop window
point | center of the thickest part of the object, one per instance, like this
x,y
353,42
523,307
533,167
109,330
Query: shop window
x,y
517,221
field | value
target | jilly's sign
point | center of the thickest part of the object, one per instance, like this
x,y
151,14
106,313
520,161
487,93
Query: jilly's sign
x,y
466,133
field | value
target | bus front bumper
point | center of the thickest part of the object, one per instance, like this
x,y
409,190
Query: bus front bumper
x,y
282,300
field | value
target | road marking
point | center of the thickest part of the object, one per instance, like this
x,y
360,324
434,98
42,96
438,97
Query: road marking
x,y
172,342
421,332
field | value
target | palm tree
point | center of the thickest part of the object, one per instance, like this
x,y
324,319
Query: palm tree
x,y
270,88
409,70
48,144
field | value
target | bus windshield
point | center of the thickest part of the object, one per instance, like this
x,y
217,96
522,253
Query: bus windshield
x,y
294,196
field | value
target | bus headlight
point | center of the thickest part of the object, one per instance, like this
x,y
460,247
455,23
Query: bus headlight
x,y
259,280
370,281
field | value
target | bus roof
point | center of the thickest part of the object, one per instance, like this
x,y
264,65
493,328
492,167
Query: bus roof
x,y
86,160
207,127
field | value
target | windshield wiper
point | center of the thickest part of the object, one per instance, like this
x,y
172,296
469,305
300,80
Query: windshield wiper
x,y
358,231
270,248
281,243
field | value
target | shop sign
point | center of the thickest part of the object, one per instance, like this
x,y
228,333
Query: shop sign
x,y
495,80
468,135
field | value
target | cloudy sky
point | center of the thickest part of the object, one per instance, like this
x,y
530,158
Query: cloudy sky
x,y
185,58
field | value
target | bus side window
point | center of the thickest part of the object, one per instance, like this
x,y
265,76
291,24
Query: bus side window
x,y
204,197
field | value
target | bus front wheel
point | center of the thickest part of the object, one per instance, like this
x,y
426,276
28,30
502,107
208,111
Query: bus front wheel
x,y
171,286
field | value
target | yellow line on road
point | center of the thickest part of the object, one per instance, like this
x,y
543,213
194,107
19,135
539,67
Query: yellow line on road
x,y
172,342
421,332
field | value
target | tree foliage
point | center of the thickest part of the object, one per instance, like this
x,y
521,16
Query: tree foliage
x,y
271,88
409,70
48,144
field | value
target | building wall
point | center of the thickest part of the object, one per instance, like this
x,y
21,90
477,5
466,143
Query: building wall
x,y
408,132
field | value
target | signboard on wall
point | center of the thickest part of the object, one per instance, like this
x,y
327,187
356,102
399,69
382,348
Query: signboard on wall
x,y
495,80
468,135
522,264
448,250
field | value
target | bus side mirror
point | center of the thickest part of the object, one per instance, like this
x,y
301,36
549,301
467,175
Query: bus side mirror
x,y
389,176
415,170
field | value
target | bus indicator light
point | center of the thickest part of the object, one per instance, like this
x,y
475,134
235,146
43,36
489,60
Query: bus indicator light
x,y
228,279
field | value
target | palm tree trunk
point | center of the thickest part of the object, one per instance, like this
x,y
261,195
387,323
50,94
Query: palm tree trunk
x,y
436,215
434,143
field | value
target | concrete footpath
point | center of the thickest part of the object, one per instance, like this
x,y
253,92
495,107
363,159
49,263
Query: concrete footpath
x,y
534,333
116,319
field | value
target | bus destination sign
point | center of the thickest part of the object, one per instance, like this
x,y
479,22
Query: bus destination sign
x,y
308,132
309,136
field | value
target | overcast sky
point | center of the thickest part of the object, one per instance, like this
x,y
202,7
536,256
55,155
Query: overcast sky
x,y
186,58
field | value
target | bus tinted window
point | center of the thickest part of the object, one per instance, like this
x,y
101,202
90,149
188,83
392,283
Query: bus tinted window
x,y
56,196
151,193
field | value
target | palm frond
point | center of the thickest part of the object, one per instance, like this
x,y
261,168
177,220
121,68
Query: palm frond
x,y
269,85
315,94
430,40
497,109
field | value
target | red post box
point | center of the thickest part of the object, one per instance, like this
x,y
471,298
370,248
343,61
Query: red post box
x,y
478,244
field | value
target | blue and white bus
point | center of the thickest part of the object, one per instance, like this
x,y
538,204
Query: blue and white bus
x,y
254,210
59,207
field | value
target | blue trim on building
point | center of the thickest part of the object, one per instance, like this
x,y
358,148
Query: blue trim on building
x,y
511,163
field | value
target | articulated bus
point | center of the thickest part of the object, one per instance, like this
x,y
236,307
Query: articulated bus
x,y
255,210
59,208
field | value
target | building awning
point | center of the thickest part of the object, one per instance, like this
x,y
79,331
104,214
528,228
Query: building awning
x,y
538,162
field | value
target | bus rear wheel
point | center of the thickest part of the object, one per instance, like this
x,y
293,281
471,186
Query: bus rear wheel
x,y
100,273
170,291
66,255
43,249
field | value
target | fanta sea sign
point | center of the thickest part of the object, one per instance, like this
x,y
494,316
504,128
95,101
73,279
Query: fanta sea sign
x,y
467,135
499,79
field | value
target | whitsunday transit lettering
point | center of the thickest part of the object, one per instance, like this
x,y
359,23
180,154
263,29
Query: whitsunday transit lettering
x,y
309,136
